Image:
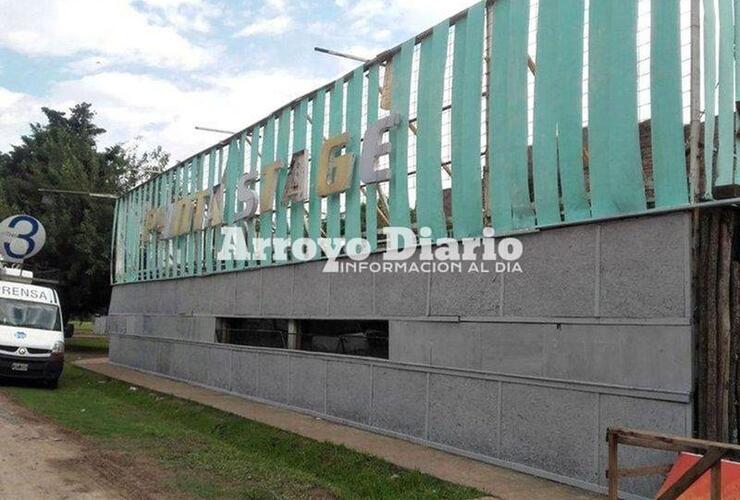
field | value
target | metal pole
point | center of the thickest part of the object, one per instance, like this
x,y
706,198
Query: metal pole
x,y
341,54
695,130
216,130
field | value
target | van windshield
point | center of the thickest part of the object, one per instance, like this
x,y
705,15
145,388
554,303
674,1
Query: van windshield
x,y
23,314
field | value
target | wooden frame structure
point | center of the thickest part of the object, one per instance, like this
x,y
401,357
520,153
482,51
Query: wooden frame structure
x,y
713,453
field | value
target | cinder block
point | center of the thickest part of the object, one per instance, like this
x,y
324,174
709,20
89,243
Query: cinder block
x,y
245,372
307,382
135,325
197,363
349,390
452,345
248,290
554,430
351,294
180,361
168,297
466,293
114,348
644,267
311,290
558,278
151,303
400,294
643,414
649,356
273,377
277,291
146,354
513,348
164,359
202,329
463,413
219,368
222,289
399,401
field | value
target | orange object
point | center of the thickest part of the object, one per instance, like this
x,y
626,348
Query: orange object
x,y
700,489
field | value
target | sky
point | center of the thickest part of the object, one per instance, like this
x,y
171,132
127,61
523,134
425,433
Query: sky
x,y
155,69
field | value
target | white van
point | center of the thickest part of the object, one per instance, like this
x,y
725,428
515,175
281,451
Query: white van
x,y
31,332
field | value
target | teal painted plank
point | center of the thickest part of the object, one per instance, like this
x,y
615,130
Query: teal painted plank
x,y
200,235
164,202
617,185
558,117
115,241
371,198
212,180
669,158
399,161
268,157
353,223
283,154
234,166
254,159
317,140
509,173
726,73
336,119
192,189
300,129
429,208
467,89
710,93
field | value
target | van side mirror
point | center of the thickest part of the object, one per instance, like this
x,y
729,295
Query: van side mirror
x,y
69,330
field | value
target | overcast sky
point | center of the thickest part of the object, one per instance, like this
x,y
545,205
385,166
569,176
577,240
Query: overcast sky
x,y
157,68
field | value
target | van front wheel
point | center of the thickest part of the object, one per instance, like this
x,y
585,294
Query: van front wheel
x,y
52,383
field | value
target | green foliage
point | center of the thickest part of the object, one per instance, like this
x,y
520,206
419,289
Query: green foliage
x,y
207,453
63,154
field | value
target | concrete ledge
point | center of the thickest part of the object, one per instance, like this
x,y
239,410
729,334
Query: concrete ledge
x,y
499,482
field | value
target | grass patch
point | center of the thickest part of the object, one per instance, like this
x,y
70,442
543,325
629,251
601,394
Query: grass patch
x,y
212,454
89,345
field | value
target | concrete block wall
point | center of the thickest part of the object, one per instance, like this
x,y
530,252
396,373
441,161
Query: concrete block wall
x,y
605,306
555,429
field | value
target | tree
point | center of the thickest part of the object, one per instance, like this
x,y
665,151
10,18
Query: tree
x,y
63,154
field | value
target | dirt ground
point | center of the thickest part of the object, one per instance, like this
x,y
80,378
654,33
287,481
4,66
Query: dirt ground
x,y
40,461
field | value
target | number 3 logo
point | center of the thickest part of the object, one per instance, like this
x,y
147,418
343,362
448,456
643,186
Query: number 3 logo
x,y
21,237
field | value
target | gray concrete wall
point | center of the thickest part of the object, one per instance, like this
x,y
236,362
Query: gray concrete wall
x,y
596,331
552,428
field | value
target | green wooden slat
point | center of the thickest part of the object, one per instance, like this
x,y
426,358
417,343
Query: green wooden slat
x,y
300,129
268,157
336,119
710,82
198,257
353,223
231,175
669,159
317,139
152,242
371,209
617,185
283,154
429,208
399,161
163,202
467,81
510,198
179,243
254,167
558,116
726,73
115,241
192,188
212,181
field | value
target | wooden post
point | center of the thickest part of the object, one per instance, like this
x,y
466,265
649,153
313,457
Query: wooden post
x,y
613,473
716,484
724,325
